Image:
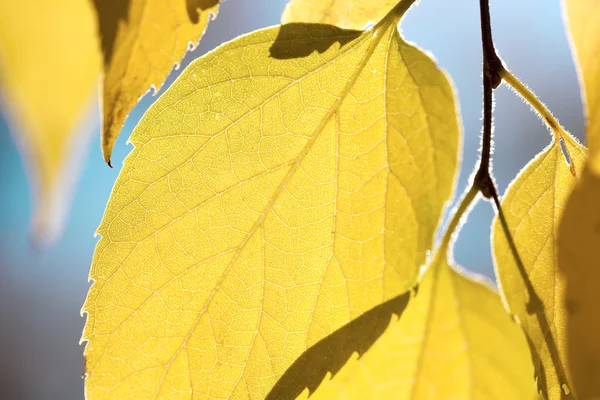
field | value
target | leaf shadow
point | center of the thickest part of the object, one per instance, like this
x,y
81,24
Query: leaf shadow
x,y
297,40
112,13
540,373
193,6
535,307
578,246
332,352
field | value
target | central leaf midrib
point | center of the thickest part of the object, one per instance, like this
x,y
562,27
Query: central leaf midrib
x,y
380,33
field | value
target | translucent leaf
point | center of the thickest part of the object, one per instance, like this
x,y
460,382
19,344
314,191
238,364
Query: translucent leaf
x,y
579,234
582,17
533,206
349,14
578,244
141,40
284,185
453,341
49,71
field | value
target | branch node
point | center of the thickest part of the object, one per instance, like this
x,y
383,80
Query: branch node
x,y
484,183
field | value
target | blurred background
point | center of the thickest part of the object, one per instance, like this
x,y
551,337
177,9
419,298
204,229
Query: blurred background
x,y
42,290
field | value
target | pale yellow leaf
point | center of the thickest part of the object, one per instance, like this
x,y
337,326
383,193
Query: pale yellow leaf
x,y
453,341
579,235
533,206
350,14
583,18
578,251
274,194
49,68
141,41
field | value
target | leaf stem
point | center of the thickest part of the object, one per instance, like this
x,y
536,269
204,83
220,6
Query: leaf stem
x,y
400,8
529,97
557,130
454,223
395,13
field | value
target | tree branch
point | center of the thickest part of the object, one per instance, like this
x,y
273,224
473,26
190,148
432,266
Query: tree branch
x,y
493,73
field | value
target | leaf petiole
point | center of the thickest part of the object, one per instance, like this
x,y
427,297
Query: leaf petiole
x,y
522,90
455,222
395,13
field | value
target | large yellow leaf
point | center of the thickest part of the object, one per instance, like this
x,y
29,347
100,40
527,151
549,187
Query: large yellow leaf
x,y
533,206
579,234
141,41
49,69
274,194
583,18
350,14
453,341
578,251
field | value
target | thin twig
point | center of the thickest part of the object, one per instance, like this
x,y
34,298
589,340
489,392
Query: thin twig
x,y
493,73
492,66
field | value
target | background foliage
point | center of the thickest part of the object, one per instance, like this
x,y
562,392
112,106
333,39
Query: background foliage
x,y
41,292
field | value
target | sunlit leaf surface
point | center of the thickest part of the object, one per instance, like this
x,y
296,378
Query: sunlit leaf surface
x,y
349,14
579,239
141,41
285,184
49,66
582,17
533,206
453,341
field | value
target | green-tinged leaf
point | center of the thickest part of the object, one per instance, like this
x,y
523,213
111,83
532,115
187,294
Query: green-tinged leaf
x,y
453,341
349,14
533,206
141,41
275,193
49,67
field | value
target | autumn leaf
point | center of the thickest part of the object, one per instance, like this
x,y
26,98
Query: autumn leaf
x,y
454,340
535,291
49,70
141,41
285,184
579,234
349,14
582,17
578,244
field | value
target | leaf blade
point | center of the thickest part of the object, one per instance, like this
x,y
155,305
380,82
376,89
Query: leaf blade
x,y
47,88
581,17
450,342
533,206
578,235
352,14
282,214
141,42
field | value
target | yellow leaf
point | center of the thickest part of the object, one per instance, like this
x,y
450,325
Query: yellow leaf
x,y
49,67
579,234
350,14
453,341
533,206
274,194
141,41
582,17
578,245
